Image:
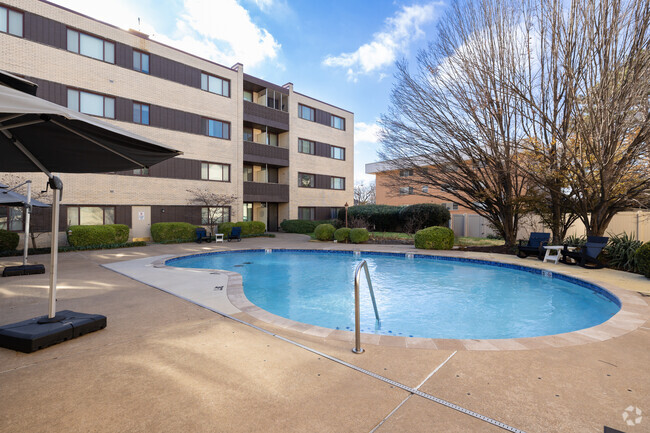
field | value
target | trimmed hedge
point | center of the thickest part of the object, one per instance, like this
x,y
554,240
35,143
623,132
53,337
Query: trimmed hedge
x,y
167,232
342,234
248,228
424,215
643,259
83,236
382,217
358,236
305,226
8,240
121,233
324,232
434,238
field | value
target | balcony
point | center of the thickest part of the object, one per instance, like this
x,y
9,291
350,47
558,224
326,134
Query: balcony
x,y
266,192
265,154
263,115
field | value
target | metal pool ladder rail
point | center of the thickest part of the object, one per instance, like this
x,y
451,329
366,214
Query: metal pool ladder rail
x,y
357,316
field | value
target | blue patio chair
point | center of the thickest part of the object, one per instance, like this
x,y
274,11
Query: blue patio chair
x,y
535,245
588,254
202,236
235,233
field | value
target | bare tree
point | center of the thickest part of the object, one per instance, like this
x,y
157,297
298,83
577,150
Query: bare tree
x,y
454,124
364,194
214,205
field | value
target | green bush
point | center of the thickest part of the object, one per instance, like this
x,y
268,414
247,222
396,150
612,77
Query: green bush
x,y
342,234
643,259
248,228
382,217
85,236
166,232
419,216
225,228
305,226
575,241
121,233
359,236
324,232
8,240
620,252
434,238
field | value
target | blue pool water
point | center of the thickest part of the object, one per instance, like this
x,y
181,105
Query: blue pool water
x,y
416,297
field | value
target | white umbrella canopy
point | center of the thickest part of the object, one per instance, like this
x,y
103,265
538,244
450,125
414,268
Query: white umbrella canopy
x,y
37,135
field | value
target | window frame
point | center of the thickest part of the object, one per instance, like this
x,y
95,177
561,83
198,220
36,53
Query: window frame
x,y
342,149
142,53
204,222
312,146
140,104
312,118
207,81
141,171
104,42
406,172
206,127
8,216
80,91
313,180
22,15
312,212
102,207
332,181
333,122
409,190
222,167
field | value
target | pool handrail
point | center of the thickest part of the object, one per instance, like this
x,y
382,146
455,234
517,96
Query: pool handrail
x,y
357,314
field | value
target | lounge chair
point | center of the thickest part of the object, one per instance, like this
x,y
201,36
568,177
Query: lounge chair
x,y
535,245
202,236
588,254
235,233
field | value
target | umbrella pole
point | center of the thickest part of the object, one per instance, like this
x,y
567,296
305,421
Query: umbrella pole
x,y
28,212
54,253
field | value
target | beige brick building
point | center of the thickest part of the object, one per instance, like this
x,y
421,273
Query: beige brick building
x,y
283,155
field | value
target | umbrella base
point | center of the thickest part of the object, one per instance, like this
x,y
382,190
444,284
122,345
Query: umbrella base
x,y
38,333
12,271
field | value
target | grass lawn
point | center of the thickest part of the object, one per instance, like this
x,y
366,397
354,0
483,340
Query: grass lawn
x,y
390,235
466,241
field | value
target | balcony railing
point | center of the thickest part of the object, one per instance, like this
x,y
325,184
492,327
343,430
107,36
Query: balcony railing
x,y
263,192
262,115
264,154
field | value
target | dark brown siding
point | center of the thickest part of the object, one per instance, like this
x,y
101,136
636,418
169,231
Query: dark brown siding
x,y
323,117
123,109
263,154
45,31
123,215
322,149
262,115
174,71
124,56
262,192
174,168
173,214
323,181
41,220
50,91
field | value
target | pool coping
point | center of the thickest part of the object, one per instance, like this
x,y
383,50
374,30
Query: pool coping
x,y
633,311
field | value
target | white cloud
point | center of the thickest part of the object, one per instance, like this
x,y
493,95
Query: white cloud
x,y
366,132
231,38
400,30
264,5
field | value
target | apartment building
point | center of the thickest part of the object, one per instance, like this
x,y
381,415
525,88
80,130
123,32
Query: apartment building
x,y
282,154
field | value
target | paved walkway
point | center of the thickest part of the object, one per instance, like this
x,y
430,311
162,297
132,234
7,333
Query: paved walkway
x,y
166,364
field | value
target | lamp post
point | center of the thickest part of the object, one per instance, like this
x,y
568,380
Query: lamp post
x,y
346,214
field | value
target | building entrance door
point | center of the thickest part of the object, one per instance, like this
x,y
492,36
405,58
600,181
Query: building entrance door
x,y
141,223
273,217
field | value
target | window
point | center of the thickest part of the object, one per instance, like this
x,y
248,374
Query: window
x,y
216,128
248,134
306,213
140,113
425,188
248,212
91,103
141,61
141,172
337,182
451,206
306,180
248,173
248,96
306,146
334,212
337,122
90,215
405,173
306,113
213,84
406,190
337,152
211,215
272,139
219,172
11,218
11,22
91,46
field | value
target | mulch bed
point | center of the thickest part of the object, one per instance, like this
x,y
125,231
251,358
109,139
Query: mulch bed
x,y
496,249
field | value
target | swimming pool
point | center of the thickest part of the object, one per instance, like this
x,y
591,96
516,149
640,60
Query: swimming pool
x,y
424,296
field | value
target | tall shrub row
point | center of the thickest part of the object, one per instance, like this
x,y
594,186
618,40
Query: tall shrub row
x,y
386,218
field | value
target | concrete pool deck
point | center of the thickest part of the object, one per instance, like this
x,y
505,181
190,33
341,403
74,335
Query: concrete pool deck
x,y
165,364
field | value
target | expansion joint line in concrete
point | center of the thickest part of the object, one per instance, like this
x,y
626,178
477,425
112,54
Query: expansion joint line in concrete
x,y
411,395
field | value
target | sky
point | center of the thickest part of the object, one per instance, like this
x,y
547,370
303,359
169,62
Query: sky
x,y
342,51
